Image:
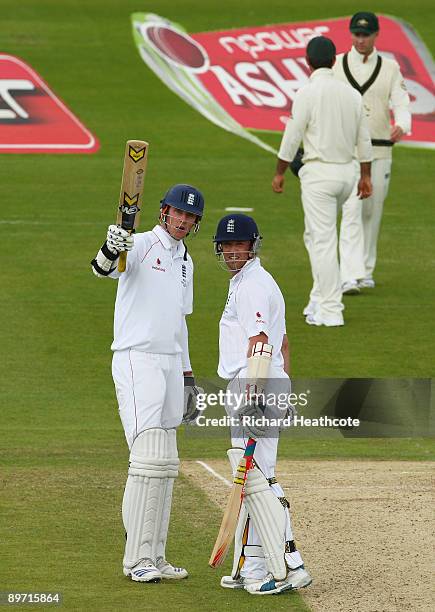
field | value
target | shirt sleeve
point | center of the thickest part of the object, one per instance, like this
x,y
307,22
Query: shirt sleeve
x,y
185,359
399,98
253,309
364,144
295,128
188,292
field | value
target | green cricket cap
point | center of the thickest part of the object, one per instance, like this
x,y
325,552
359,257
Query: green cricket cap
x,y
364,23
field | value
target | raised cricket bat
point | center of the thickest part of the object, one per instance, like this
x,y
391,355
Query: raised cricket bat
x,y
232,511
130,197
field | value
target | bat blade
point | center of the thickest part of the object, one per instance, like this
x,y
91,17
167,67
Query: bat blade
x,y
132,186
231,515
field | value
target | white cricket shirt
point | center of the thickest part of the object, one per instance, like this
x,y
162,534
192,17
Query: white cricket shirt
x,y
254,304
154,294
327,115
388,88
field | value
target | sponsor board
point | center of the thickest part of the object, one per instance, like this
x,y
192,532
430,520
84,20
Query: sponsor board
x,y
32,118
246,79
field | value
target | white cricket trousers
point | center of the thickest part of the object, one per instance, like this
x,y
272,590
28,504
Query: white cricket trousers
x,y
360,225
325,188
149,389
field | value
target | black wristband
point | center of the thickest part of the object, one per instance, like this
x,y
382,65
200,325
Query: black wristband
x,y
108,253
189,381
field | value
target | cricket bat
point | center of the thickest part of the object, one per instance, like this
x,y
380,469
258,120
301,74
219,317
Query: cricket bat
x,y
258,372
130,198
232,511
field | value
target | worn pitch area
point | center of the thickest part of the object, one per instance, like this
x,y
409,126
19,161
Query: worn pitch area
x,y
365,529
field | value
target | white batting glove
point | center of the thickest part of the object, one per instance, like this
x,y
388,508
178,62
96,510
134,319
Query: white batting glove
x,y
119,239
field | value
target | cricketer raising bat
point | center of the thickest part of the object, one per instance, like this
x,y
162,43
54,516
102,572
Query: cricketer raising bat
x,y
130,198
258,372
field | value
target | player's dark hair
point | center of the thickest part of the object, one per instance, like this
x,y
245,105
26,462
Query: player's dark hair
x,y
321,63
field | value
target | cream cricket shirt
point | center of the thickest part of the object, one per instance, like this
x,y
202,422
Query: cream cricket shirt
x,y
327,115
389,87
254,305
154,294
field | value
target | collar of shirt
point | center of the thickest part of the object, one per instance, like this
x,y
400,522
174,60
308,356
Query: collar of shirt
x,y
321,72
358,58
248,268
176,247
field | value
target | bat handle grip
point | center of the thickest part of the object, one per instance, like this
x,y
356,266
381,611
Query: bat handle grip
x,y
122,261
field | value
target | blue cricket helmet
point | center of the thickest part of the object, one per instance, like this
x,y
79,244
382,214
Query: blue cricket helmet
x,y
236,227
184,197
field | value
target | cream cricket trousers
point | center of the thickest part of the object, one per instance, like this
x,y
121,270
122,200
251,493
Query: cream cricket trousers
x,y
360,225
149,389
325,188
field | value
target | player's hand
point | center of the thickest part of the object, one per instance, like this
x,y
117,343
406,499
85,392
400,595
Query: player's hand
x,y
365,188
191,392
252,423
278,183
119,239
396,133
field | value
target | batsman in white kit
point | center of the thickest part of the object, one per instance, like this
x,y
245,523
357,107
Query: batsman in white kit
x,y
150,356
266,560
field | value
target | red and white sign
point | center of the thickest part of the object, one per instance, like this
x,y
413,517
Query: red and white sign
x,y
33,119
246,79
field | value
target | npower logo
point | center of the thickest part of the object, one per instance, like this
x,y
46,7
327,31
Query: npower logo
x,y
32,118
246,79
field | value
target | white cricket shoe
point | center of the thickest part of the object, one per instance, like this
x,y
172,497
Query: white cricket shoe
x,y
318,321
170,572
310,308
295,579
228,582
366,283
350,288
144,571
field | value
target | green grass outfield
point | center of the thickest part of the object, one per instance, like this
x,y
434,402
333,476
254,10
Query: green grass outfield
x,y
63,456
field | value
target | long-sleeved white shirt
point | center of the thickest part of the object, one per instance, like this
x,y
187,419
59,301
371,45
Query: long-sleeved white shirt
x,y
388,88
327,115
155,293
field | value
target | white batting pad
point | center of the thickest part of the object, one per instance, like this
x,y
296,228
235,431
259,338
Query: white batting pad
x,y
245,545
144,494
269,518
161,533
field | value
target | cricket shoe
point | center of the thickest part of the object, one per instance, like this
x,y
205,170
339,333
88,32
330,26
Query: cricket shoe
x,y
170,572
144,571
366,283
310,308
318,321
295,579
228,582
350,288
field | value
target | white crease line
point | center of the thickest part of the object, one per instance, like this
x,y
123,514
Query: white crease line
x,y
212,471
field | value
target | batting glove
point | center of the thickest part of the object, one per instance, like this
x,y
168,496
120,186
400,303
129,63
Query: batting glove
x,y
191,392
253,425
118,239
